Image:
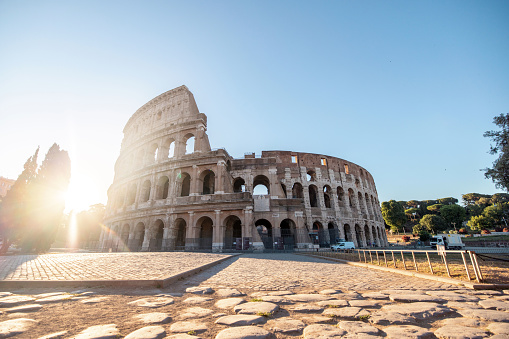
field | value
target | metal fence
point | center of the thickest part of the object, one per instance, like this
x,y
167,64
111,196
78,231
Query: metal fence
x,y
454,264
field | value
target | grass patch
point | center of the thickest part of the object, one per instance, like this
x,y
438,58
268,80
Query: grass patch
x,y
364,317
192,332
255,300
265,314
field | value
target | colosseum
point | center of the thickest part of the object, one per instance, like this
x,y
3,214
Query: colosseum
x,y
171,191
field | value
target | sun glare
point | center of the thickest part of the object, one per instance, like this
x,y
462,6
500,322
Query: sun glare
x,y
81,194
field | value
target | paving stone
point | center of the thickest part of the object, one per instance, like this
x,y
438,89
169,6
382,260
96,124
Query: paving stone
x,y
502,297
14,300
196,300
169,295
256,307
317,319
5,294
465,322
241,320
499,336
419,310
229,293
55,298
152,302
280,293
10,328
182,336
277,299
361,336
99,332
55,335
200,290
323,331
194,313
243,332
376,295
147,332
499,328
407,331
460,332
219,315
229,303
285,325
463,305
306,308
333,303
365,303
94,300
357,327
188,326
391,318
347,296
24,308
349,313
308,297
495,304
153,318
330,291
453,296
486,292
411,298
487,315
50,294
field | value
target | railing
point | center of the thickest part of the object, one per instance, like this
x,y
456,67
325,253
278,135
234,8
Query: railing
x,y
454,264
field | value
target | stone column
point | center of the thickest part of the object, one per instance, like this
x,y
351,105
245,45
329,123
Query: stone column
x,y
194,182
146,239
354,236
191,238
219,189
273,183
217,233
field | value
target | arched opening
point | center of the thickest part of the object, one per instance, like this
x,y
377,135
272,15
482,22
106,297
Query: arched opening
x,y
228,166
361,204
341,195
288,234
239,185
163,186
348,233
297,191
145,191
139,235
326,196
351,197
357,184
283,187
261,185
184,180
313,201
206,230
264,228
124,238
333,233
358,236
208,179
156,239
180,240
311,175
189,142
316,234
369,242
233,233
131,196
369,209
168,149
152,153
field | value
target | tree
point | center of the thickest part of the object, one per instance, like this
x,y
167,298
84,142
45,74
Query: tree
x,y
394,215
499,198
432,223
473,198
13,213
480,222
453,214
497,213
448,201
499,173
434,208
47,203
89,223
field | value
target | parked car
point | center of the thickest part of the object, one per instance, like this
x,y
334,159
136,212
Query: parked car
x,y
343,245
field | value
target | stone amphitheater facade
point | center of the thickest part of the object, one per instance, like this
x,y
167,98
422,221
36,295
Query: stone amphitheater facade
x,y
171,191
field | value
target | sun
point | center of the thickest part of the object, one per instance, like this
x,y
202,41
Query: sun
x,y
81,194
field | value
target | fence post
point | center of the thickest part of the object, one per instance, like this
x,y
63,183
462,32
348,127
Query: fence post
x,y
393,260
474,266
415,263
477,264
385,259
360,259
466,266
377,259
446,266
429,262
364,252
370,257
403,259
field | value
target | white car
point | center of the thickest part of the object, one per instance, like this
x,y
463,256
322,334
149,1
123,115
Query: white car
x,y
344,245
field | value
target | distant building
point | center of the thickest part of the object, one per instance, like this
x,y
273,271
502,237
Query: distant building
x,y
5,185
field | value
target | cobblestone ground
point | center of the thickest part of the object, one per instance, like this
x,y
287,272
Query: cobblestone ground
x,y
101,266
261,296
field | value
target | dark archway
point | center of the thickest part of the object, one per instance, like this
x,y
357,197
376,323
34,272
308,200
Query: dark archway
x,y
264,228
348,233
139,236
313,201
259,182
233,233
205,225
156,239
297,191
288,230
180,240
317,234
185,184
239,185
333,233
124,238
208,179
163,186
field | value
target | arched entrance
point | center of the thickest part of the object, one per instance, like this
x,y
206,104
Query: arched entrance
x,y
264,228
316,234
233,233
348,233
156,239
359,237
333,233
288,234
139,235
124,238
180,240
206,231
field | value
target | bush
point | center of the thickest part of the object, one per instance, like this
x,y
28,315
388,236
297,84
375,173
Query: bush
x,y
463,231
498,229
424,236
505,229
485,232
405,238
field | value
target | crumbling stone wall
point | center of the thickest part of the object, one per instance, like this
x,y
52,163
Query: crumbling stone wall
x,y
169,194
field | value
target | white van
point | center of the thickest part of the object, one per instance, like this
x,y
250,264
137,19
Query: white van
x,y
343,245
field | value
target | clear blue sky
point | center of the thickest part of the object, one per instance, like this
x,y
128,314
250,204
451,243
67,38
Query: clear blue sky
x,y
404,88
